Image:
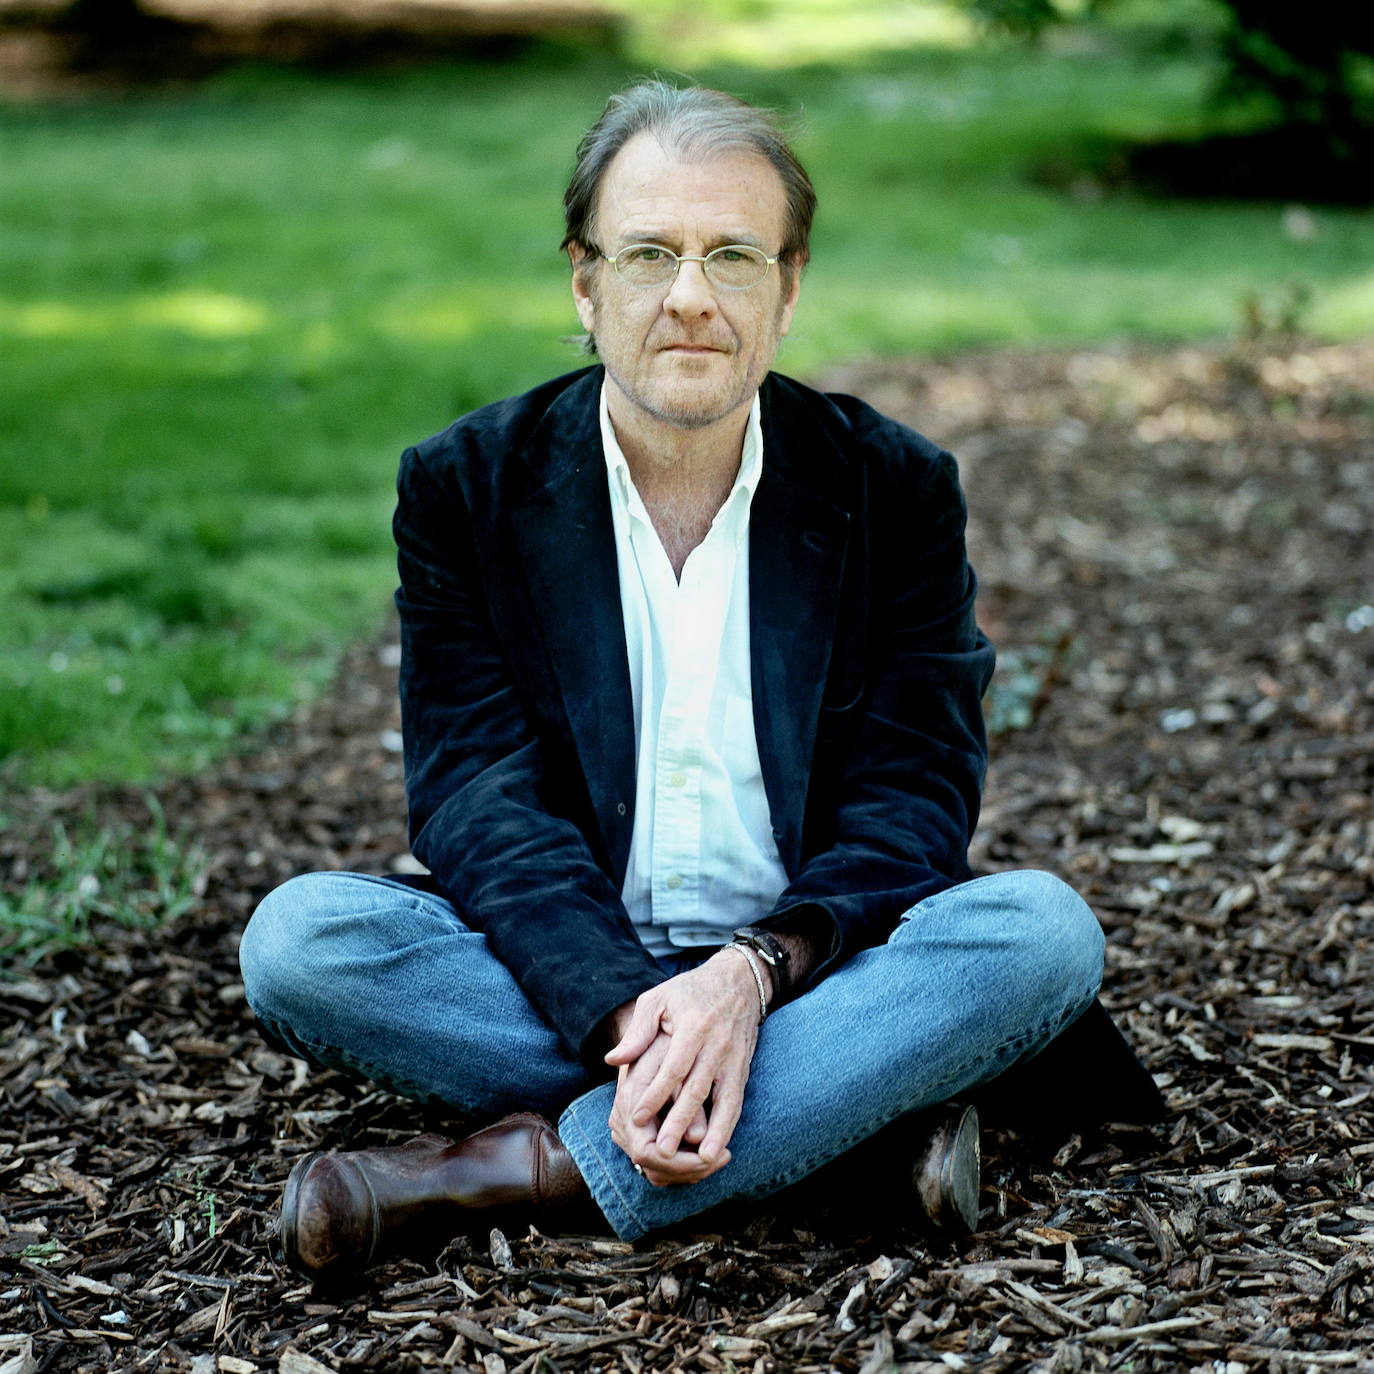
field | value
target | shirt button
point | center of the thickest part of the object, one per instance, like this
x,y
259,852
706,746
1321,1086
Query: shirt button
x,y
678,779
674,880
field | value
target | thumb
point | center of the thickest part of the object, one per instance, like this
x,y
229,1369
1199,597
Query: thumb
x,y
638,1036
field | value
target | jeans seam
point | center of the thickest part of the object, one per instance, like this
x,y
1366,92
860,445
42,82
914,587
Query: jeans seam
x,y
351,1063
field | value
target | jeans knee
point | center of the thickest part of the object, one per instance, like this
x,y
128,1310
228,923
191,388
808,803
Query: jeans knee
x,y
275,949
1062,939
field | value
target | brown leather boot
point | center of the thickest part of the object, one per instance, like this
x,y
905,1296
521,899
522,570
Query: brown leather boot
x,y
343,1210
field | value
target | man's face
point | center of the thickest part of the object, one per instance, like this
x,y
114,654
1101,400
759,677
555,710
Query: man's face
x,y
691,353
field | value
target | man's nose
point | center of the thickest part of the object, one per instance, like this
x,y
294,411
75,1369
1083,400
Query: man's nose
x,y
691,292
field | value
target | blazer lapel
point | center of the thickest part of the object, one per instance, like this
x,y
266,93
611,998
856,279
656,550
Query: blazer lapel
x,y
566,542
798,537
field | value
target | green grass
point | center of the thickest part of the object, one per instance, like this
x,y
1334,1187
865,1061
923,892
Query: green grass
x,y
224,310
102,875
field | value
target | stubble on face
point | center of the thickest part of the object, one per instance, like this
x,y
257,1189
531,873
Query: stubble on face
x,y
689,406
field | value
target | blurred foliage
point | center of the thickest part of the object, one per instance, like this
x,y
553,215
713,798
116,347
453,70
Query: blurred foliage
x,y
1310,64
785,33
1025,18
1305,66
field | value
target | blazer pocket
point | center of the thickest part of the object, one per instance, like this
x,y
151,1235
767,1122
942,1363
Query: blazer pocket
x,y
837,722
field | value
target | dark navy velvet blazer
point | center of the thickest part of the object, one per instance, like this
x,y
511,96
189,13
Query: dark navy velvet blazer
x,y
868,672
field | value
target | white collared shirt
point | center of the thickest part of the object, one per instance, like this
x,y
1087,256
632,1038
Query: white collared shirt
x,y
703,860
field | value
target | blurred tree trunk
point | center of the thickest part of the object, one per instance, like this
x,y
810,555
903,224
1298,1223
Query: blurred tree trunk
x,y
105,18
120,35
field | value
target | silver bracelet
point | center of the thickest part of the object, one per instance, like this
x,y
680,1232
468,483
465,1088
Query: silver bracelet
x,y
758,977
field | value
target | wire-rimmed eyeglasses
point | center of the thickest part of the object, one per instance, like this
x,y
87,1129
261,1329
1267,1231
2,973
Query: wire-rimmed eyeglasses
x,y
736,266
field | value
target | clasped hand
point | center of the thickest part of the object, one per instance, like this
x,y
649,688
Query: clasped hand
x,y
683,1051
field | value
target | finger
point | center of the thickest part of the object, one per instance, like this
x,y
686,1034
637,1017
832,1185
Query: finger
x,y
638,1076
666,1085
620,1113
635,1140
639,1150
726,1105
683,1168
643,1152
631,1079
696,1132
690,1101
643,1027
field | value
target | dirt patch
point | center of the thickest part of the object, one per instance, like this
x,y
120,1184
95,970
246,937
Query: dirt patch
x,y
1175,551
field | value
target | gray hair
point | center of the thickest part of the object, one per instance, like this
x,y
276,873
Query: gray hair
x,y
696,123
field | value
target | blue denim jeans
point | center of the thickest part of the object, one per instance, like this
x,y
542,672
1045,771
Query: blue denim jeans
x,y
380,979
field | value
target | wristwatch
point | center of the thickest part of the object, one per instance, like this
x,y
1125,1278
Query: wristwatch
x,y
773,953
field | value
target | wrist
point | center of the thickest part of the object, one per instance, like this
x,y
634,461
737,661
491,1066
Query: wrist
x,y
751,974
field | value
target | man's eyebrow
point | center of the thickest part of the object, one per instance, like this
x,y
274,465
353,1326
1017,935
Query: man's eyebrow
x,y
644,236
747,238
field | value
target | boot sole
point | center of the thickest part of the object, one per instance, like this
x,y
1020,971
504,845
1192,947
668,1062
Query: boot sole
x,y
949,1198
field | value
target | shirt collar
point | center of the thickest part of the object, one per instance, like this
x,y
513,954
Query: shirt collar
x,y
751,455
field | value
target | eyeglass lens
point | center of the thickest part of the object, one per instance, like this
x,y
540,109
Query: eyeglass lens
x,y
734,266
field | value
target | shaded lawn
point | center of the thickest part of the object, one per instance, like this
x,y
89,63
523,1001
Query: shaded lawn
x,y
223,311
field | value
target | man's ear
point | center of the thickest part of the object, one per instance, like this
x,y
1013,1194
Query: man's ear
x,y
788,305
583,265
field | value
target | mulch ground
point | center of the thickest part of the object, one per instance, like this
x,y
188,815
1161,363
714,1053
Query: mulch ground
x,y
1175,548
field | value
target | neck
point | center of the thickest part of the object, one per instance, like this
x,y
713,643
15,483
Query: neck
x,y
668,458
682,475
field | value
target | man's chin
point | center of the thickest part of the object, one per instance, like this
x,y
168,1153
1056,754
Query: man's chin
x,y
683,418
690,403
690,407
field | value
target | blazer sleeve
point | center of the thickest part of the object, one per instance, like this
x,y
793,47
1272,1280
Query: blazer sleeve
x,y
489,816
898,774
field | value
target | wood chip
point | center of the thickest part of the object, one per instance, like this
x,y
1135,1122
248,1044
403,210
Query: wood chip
x,y
772,1326
1212,570
297,1362
1145,1330
1030,1298
1319,1044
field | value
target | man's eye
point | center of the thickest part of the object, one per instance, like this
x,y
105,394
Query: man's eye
x,y
730,255
645,254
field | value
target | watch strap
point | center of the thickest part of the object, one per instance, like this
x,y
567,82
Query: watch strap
x,y
773,953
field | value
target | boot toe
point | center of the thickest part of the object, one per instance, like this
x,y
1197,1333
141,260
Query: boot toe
x,y
329,1222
